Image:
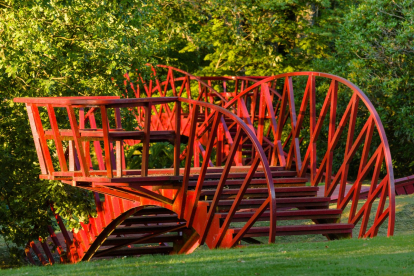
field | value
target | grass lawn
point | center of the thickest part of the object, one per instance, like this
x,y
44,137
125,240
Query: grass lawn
x,y
289,256
378,256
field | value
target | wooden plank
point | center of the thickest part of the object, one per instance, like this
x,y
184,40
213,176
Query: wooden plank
x,y
107,148
42,139
36,139
177,140
78,141
146,140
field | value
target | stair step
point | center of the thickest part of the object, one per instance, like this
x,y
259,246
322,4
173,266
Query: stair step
x,y
243,175
123,240
114,134
287,215
153,211
152,219
326,228
263,192
280,202
233,182
143,229
139,251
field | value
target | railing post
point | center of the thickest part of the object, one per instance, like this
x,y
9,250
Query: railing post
x,y
146,140
177,140
107,148
119,151
36,139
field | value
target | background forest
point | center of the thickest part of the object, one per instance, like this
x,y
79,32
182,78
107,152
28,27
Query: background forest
x,y
74,47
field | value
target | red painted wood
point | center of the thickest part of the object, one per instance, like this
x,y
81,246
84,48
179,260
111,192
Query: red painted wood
x,y
271,132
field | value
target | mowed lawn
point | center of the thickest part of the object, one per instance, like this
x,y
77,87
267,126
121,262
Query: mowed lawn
x,y
377,256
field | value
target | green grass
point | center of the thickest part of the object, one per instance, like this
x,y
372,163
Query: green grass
x,y
294,255
378,256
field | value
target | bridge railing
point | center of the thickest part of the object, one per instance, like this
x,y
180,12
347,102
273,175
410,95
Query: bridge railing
x,y
313,140
72,145
77,157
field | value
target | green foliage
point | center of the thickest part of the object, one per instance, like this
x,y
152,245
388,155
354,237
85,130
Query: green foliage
x,y
249,37
161,155
374,50
58,48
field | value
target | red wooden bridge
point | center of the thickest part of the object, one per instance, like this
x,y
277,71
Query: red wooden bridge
x,y
249,153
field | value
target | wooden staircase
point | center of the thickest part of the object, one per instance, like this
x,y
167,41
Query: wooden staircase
x,y
152,230
295,202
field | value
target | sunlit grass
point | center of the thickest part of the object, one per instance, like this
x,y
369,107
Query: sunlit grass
x,y
378,256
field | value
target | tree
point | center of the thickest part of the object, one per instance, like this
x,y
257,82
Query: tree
x,y
58,48
374,50
248,37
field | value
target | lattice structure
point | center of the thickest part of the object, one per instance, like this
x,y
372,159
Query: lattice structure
x,y
240,162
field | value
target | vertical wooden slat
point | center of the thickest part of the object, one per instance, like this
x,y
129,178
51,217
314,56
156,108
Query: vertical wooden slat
x,y
118,150
56,138
118,121
78,141
349,140
280,123
367,145
374,182
101,223
55,239
47,251
331,132
107,148
182,194
295,133
334,142
220,186
29,254
219,145
177,140
146,140
380,208
292,109
42,138
36,139
96,144
312,106
262,113
196,151
62,227
38,254
237,200
203,171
